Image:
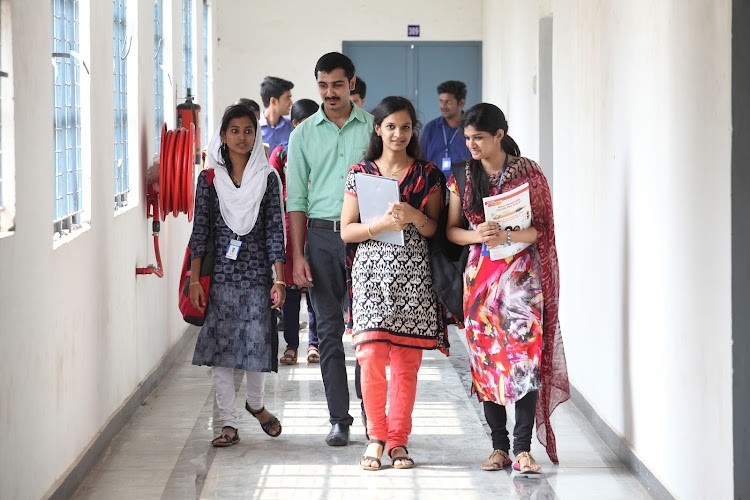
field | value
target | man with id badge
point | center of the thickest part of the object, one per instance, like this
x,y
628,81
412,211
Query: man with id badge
x,y
442,139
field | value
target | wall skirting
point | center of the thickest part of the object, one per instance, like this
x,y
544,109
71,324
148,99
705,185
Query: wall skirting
x,y
623,452
67,485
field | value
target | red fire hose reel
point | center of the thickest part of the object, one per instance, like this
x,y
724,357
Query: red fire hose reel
x,y
173,191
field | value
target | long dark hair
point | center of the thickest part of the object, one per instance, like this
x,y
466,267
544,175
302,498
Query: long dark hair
x,y
234,111
385,108
485,117
303,108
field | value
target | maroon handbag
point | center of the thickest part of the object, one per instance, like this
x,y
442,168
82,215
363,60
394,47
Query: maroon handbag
x,y
190,313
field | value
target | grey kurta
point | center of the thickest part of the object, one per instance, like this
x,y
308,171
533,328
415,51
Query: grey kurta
x,y
240,326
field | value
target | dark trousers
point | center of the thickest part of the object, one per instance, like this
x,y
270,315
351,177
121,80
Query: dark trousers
x,y
290,315
497,418
325,253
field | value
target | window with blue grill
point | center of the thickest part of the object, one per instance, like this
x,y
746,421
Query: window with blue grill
x,y
7,160
2,27
67,114
158,70
121,49
206,70
187,45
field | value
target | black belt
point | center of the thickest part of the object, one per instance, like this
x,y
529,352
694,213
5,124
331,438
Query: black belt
x,y
331,225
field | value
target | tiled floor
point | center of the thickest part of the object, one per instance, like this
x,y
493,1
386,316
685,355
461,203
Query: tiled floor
x,y
164,451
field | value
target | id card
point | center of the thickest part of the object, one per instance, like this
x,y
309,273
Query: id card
x,y
233,249
446,167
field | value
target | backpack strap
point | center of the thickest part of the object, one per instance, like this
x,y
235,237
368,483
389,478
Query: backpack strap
x,y
210,174
208,264
458,170
459,173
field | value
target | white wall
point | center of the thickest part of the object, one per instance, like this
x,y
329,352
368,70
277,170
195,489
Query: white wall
x,y
287,42
642,140
79,330
641,105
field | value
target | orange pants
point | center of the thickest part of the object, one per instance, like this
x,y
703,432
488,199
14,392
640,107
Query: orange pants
x,y
395,427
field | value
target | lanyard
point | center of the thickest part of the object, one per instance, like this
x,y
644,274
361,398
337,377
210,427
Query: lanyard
x,y
502,172
445,138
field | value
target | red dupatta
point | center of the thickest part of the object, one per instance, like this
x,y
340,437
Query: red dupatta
x,y
554,372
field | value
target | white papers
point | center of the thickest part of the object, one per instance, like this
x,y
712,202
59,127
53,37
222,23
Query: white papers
x,y
374,193
511,210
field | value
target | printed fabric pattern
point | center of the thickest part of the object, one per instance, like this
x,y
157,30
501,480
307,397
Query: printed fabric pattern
x,y
391,285
511,330
239,330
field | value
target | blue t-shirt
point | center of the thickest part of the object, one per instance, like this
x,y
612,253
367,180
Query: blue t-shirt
x,y
273,136
437,136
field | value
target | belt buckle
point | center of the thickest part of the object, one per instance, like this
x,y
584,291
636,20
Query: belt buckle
x,y
336,226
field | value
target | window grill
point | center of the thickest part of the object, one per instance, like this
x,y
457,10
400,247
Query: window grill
x,y
187,44
67,114
121,49
206,70
1,114
158,70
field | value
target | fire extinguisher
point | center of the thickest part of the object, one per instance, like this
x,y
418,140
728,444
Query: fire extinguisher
x,y
189,112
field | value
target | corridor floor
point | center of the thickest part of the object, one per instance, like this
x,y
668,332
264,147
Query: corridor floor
x,y
164,451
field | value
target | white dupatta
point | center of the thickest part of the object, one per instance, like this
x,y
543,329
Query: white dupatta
x,y
239,206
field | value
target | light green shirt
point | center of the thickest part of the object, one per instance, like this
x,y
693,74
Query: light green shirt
x,y
319,157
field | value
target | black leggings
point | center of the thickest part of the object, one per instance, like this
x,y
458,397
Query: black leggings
x,y
497,418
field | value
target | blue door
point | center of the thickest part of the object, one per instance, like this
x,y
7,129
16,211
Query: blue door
x,y
414,70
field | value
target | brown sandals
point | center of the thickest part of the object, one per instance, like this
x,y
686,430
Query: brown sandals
x,y
525,465
269,425
498,460
401,461
313,355
371,462
224,440
289,357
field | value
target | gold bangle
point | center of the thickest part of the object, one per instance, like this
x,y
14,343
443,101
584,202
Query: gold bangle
x,y
424,223
279,282
370,232
195,283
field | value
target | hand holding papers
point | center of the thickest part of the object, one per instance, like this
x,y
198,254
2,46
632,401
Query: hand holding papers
x,y
374,193
511,210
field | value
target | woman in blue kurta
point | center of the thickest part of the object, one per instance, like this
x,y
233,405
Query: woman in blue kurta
x,y
247,216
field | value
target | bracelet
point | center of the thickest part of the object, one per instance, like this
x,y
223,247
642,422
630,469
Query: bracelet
x,y
195,283
424,223
507,235
278,282
370,232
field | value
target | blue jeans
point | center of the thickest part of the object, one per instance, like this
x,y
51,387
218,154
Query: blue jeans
x,y
290,318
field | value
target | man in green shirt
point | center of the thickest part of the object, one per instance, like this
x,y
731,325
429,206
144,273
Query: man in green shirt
x,y
321,150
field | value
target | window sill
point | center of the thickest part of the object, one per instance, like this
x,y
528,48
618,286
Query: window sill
x,y
7,222
125,209
61,240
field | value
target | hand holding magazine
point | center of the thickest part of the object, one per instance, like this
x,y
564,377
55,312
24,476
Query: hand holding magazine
x,y
374,193
511,210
